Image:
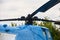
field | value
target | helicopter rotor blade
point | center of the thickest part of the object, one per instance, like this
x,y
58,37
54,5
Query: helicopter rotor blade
x,y
22,19
15,19
55,22
33,19
45,20
46,6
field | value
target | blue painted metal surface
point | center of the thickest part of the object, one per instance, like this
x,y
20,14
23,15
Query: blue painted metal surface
x,y
26,32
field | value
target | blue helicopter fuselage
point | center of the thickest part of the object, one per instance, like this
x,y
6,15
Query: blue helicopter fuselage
x,y
27,32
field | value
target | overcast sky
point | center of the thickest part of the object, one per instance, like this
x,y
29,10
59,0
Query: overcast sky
x,y
18,8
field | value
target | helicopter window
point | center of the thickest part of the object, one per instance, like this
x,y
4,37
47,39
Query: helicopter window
x,y
49,36
44,33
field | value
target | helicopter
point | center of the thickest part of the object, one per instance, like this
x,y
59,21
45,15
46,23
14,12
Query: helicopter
x,y
30,31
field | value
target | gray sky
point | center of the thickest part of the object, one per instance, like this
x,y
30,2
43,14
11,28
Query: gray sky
x,y
18,8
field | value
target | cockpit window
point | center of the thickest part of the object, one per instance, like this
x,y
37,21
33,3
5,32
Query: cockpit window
x,y
49,35
44,33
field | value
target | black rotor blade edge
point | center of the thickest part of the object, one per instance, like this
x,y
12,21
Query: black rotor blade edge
x,y
55,22
45,20
17,19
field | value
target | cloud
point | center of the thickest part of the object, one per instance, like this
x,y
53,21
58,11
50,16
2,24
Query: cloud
x,y
18,8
